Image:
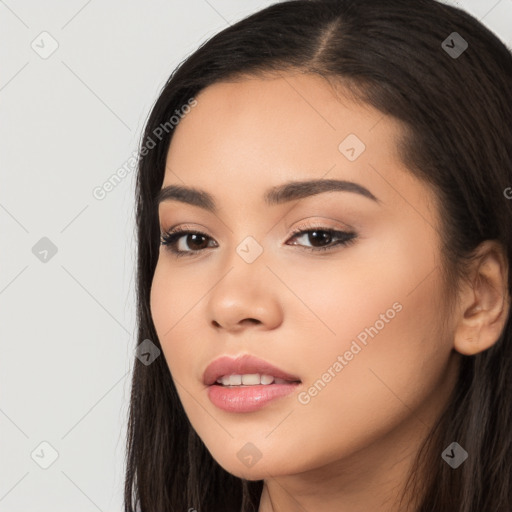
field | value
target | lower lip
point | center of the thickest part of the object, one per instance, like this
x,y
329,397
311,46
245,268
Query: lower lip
x,y
247,398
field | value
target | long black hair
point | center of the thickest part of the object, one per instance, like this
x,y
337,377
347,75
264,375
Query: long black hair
x,y
409,60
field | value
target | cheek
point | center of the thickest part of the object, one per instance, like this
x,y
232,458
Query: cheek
x,y
382,314
382,286
391,378
392,375
171,301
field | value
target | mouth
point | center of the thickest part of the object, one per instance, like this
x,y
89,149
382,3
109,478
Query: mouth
x,y
251,379
245,370
246,384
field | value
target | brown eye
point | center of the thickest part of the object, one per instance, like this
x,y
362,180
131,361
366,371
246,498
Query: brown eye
x,y
178,242
324,238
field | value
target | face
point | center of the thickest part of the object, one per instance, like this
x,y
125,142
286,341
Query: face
x,y
351,305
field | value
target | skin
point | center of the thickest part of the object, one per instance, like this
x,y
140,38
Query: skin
x,y
349,449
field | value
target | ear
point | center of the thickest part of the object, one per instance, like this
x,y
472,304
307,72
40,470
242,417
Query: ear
x,y
484,301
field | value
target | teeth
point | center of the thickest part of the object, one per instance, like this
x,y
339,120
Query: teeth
x,y
235,380
266,379
249,379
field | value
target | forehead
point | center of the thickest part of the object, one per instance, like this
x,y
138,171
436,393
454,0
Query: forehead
x,y
256,133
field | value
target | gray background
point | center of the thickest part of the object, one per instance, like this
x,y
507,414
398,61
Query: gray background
x,y
68,121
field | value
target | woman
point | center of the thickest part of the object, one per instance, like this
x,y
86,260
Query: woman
x,y
324,247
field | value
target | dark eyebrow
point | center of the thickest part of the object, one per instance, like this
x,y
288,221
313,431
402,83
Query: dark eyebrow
x,y
276,195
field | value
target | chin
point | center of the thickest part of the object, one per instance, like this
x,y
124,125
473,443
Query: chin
x,y
258,471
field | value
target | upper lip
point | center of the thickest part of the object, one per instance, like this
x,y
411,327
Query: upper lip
x,y
242,365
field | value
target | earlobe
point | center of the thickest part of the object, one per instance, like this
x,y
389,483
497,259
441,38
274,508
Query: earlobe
x,y
484,301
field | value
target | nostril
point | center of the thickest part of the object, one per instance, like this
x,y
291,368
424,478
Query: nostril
x,y
240,323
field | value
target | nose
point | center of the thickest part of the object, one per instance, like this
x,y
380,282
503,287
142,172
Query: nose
x,y
246,297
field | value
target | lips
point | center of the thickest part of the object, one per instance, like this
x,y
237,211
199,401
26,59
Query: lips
x,y
242,365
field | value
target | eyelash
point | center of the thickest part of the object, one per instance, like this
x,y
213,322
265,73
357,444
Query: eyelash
x,y
345,238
